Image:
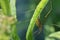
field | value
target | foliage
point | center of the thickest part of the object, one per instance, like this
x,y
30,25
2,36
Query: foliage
x,y
49,16
8,21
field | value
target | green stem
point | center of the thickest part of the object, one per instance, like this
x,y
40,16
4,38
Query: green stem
x,y
37,12
5,5
9,10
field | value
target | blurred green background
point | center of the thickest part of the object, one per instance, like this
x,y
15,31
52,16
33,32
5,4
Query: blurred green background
x,y
51,24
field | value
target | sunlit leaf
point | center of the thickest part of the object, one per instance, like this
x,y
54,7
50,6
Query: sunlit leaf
x,y
55,35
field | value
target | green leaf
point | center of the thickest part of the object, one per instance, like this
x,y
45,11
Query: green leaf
x,y
55,35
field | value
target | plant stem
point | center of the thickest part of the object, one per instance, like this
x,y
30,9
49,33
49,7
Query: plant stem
x,y
9,20
37,12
